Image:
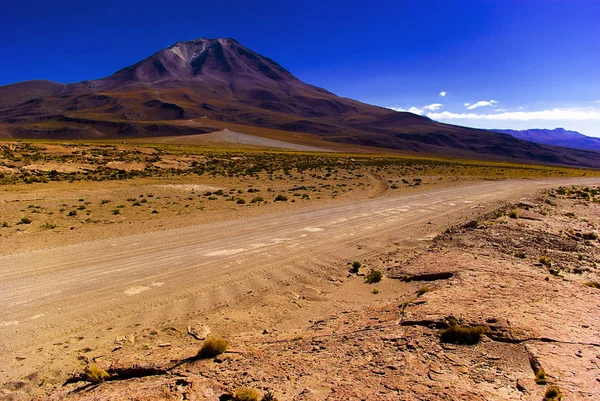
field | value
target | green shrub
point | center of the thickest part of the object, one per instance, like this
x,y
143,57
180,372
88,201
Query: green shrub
x,y
375,291
212,347
545,260
72,213
25,220
49,226
355,267
246,394
116,211
281,198
241,201
5,224
373,276
462,334
513,214
257,199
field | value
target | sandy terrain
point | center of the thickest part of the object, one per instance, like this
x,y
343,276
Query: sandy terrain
x,y
65,306
227,137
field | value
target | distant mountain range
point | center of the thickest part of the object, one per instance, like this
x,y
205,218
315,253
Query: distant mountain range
x,y
205,85
556,137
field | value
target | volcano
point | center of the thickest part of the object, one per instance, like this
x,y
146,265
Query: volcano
x,y
202,85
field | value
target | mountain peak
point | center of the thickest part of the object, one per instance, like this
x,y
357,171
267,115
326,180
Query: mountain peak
x,y
204,60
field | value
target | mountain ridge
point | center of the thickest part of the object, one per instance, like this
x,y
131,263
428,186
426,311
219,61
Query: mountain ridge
x,y
557,137
197,86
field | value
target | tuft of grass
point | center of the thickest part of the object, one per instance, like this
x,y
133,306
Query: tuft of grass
x,y
246,394
593,284
25,220
355,267
423,290
462,334
241,201
553,394
49,226
95,375
257,199
212,347
5,224
545,260
540,377
373,276
281,198
513,214
375,291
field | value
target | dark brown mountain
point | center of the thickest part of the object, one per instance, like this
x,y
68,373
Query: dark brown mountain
x,y
196,86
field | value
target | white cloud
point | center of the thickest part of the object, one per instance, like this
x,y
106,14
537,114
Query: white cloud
x,y
433,106
443,94
467,104
414,110
481,103
558,114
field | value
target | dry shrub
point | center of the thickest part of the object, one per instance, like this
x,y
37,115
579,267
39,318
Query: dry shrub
x,y
95,375
553,394
212,347
423,290
462,334
246,394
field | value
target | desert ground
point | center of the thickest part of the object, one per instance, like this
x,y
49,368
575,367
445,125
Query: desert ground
x,y
126,257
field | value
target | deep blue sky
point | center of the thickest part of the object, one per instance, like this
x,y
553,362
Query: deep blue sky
x,y
538,59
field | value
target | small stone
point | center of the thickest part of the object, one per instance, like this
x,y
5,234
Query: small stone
x,y
163,345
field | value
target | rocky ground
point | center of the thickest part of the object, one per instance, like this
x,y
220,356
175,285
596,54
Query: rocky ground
x,y
526,274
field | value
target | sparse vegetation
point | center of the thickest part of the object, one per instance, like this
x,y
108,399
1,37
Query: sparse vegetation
x,y
212,347
95,375
462,334
553,394
593,284
25,220
246,394
540,377
373,276
49,226
423,290
375,291
513,214
355,267
545,260
281,198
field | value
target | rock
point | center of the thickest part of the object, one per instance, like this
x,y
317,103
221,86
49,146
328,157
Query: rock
x,y
469,224
527,204
198,332
164,345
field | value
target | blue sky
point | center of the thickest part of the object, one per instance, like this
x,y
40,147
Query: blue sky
x,y
498,63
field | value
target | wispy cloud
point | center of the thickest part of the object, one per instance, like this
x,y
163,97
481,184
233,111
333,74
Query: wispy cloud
x,y
443,94
481,103
557,114
433,106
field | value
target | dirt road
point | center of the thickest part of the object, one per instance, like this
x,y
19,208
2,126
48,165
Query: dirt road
x,y
55,301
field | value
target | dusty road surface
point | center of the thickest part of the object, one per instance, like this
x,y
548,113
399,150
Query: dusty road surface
x,y
58,301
